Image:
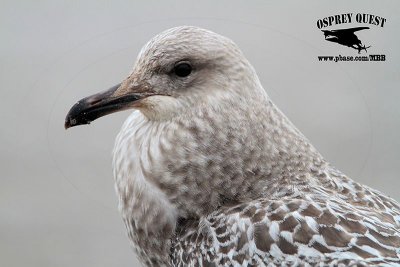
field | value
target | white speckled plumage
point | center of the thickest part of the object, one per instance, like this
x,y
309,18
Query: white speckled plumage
x,y
209,172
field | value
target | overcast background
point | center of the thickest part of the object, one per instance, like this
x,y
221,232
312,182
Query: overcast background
x,y
57,200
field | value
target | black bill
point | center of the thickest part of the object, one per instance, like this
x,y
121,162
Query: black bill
x,y
95,106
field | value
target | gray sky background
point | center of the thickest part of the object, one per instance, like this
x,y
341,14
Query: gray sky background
x,y
57,200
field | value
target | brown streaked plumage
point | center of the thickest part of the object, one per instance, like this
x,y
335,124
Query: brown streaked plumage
x,y
209,172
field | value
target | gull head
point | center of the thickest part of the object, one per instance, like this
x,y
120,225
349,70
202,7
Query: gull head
x,y
177,71
204,133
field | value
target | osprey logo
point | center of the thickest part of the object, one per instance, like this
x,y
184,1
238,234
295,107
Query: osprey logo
x,y
346,37
334,32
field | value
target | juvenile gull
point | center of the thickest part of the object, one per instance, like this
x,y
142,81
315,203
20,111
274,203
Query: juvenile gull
x,y
209,172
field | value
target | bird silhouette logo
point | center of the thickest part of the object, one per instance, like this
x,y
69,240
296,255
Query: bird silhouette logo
x,y
346,37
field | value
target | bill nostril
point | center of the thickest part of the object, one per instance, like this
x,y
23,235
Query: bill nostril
x,y
93,100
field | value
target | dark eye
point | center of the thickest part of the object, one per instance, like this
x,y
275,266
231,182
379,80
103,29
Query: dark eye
x,y
182,69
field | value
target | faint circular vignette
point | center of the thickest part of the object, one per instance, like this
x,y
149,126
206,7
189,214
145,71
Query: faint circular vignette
x,y
106,59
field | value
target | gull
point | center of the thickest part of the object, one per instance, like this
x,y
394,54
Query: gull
x,y
209,172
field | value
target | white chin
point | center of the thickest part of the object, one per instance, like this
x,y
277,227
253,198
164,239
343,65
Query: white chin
x,y
159,107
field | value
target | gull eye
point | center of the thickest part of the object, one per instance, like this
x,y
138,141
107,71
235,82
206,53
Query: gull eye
x,y
182,69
